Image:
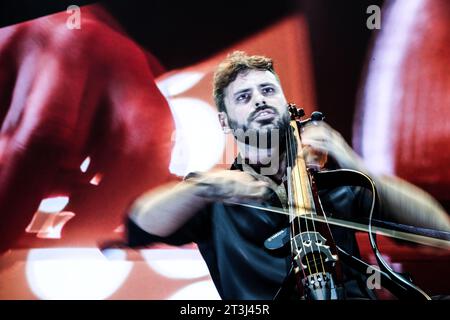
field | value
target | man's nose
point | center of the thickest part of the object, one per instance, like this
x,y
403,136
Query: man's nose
x,y
260,102
258,98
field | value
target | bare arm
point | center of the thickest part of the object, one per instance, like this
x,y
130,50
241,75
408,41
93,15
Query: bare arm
x,y
410,205
402,201
163,210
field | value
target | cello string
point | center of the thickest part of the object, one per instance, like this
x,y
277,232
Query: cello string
x,y
296,178
290,196
311,212
294,182
292,230
304,192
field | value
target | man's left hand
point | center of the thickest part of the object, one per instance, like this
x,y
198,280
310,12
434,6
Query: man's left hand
x,y
320,138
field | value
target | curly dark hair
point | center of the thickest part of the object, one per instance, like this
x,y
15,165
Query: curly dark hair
x,y
236,63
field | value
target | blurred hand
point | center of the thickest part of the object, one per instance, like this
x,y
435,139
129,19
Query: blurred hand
x,y
320,140
66,94
229,185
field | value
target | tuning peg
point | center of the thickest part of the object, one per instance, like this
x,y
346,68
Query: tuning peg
x,y
317,116
295,111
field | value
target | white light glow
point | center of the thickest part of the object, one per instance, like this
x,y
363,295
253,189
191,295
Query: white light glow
x,y
96,179
176,264
49,225
53,226
203,290
75,273
53,205
119,229
85,165
179,83
199,139
381,91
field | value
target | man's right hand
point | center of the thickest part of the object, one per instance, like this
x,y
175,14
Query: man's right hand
x,y
68,94
228,186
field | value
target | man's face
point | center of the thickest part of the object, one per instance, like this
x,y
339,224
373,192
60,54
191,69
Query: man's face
x,y
255,100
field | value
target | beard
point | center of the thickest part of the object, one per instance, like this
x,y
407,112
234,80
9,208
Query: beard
x,y
263,134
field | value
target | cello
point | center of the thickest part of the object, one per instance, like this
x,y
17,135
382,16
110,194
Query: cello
x,y
316,267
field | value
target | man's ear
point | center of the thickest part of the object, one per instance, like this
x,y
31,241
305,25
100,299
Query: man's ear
x,y
223,119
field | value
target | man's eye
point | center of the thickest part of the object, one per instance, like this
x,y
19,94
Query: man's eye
x,y
243,97
268,90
